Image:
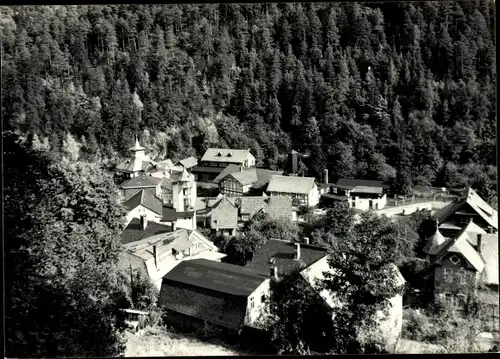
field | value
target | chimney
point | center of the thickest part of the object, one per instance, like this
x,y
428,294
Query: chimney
x,y
306,240
471,220
297,251
325,175
437,224
479,242
241,168
144,222
155,254
274,272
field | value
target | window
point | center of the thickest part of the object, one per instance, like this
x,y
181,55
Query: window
x,y
463,277
455,259
252,304
448,275
263,298
449,299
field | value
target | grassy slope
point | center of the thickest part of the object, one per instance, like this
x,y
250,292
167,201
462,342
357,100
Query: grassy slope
x,y
160,342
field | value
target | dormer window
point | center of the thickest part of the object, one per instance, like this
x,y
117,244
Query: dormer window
x,y
455,259
229,154
219,154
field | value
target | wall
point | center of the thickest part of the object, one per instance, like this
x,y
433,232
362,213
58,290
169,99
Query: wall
x,y
391,323
253,314
364,203
138,211
187,223
441,284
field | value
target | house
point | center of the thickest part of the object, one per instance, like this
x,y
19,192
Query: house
x,y
238,181
275,207
277,258
464,267
359,194
224,295
156,255
240,210
138,163
176,219
144,203
143,182
456,215
140,227
302,190
216,159
224,217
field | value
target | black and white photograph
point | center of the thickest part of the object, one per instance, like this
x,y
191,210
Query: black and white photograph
x,y
240,179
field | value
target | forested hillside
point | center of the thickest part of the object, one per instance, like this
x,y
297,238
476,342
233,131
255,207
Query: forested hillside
x,y
402,91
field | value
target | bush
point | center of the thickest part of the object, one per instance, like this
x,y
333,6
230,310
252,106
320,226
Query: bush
x,y
417,326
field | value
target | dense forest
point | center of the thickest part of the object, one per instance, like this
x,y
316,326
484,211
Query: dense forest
x,y
393,91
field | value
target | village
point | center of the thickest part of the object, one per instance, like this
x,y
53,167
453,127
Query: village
x,y
175,208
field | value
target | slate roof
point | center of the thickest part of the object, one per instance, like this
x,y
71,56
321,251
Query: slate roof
x,y
134,232
276,207
203,205
231,168
169,214
143,247
259,176
292,184
434,243
207,169
145,199
225,155
353,182
141,182
245,177
131,165
461,245
188,162
489,252
224,215
283,254
165,165
476,203
221,277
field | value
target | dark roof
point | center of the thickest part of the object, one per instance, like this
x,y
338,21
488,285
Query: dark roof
x,y
145,199
168,214
283,254
221,277
134,232
206,169
142,182
231,168
188,162
353,182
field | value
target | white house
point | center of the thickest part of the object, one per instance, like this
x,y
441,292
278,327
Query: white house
x,y
143,203
302,190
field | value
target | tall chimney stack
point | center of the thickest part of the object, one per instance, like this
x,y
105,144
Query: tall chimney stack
x,y
155,254
479,242
325,175
144,222
274,272
297,251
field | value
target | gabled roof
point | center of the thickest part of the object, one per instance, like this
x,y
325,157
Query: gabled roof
x,y
165,164
134,232
216,276
188,162
141,182
489,252
259,176
203,205
145,199
292,184
132,165
181,176
276,206
224,215
282,253
245,177
231,168
225,155
461,245
434,243
476,203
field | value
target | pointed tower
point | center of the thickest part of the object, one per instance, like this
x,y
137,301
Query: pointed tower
x,y
138,152
434,243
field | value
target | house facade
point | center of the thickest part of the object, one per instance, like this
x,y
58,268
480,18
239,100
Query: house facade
x,y
224,217
303,191
464,268
237,181
215,160
360,194
224,295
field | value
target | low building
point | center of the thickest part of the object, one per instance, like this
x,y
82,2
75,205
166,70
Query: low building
x,y
454,216
158,254
360,194
224,295
237,181
137,164
303,191
215,160
144,203
279,258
